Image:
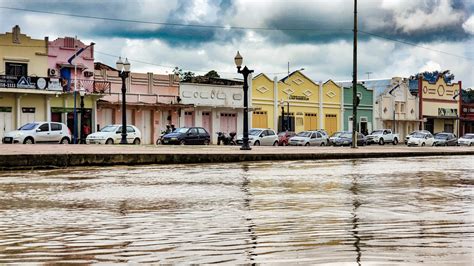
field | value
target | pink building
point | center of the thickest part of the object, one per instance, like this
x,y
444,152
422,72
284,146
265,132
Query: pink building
x,y
152,101
63,76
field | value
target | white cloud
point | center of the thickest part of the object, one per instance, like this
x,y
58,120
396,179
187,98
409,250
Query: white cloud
x,y
430,66
468,25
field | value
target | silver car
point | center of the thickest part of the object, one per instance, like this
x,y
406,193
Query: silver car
x,y
260,136
309,138
39,132
113,134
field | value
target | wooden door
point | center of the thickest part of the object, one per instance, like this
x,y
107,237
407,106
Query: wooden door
x,y
260,119
310,121
330,123
206,121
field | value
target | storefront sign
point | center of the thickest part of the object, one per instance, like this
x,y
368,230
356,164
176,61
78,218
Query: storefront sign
x,y
25,82
447,112
299,98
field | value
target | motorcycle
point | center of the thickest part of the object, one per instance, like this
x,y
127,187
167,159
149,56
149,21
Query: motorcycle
x,y
160,138
226,139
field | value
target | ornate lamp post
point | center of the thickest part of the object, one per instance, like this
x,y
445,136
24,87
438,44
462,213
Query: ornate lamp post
x,y
82,92
285,123
245,72
124,71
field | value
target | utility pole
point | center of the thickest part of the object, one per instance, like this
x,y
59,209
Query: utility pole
x,y
368,74
354,82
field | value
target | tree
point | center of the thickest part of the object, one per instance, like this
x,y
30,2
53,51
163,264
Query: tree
x,y
183,76
212,74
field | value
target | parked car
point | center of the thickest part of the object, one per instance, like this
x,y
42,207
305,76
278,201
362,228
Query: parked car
x,y
187,136
309,138
467,139
345,139
445,139
39,132
334,136
112,134
421,139
284,137
382,136
414,132
260,136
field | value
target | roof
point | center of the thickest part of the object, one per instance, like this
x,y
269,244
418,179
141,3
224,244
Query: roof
x,y
214,81
301,73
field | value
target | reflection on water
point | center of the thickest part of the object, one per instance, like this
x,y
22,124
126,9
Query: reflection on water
x,y
412,210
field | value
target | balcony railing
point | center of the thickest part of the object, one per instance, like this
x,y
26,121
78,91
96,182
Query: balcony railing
x,y
147,98
90,86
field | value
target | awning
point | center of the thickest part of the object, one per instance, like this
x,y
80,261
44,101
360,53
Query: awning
x,y
67,65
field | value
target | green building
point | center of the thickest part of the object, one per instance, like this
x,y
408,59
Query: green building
x,y
364,110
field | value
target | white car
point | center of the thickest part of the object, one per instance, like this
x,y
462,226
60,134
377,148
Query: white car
x,y
113,134
467,139
39,132
309,138
414,132
421,139
260,136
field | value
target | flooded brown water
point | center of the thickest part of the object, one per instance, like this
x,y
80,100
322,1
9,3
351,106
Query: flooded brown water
x,y
361,212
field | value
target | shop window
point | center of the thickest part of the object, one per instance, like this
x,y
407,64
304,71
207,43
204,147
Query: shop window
x,y
16,69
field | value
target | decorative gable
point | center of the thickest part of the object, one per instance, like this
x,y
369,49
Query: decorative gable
x,y
307,93
262,89
298,81
289,91
331,94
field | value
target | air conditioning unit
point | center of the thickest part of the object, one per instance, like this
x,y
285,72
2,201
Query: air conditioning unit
x,y
52,72
88,73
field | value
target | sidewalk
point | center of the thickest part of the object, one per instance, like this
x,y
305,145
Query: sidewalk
x,y
52,156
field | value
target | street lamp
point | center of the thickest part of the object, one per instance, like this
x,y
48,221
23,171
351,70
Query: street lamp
x,y
124,71
82,92
245,72
76,54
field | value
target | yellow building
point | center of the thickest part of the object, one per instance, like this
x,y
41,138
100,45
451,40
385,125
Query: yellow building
x,y
23,97
295,103
439,104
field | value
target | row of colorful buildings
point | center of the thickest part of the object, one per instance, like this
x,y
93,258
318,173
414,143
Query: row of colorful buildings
x,y
37,81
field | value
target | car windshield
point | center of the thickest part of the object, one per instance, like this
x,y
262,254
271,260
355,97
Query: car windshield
x,y
181,130
375,132
255,132
335,135
346,135
468,136
418,135
441,136
109,129
28,126
304,134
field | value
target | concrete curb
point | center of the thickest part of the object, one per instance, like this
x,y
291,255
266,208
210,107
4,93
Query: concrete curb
x,y
50,161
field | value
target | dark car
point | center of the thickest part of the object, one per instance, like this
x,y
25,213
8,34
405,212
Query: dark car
x,y
187,136
445,139
345,139
283,137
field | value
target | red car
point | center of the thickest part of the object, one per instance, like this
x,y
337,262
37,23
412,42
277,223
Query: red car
x,y
283,137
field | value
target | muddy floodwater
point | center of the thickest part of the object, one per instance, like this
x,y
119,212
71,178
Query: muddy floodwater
x,y
351,212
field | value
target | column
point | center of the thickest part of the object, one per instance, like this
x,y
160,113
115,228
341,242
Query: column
x,y
18,111
275,104
321,123
48,108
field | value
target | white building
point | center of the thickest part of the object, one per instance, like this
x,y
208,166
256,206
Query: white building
x,y
218,105
396,108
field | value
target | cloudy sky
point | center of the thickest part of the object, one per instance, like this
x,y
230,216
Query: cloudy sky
x,y
396,38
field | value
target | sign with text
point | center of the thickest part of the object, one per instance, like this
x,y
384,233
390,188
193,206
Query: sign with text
x,y
27,82
447,112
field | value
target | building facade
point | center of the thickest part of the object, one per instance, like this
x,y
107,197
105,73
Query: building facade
x,y
296,103
439,101
25,92
396,108
364,110
152,101
218,105
467,112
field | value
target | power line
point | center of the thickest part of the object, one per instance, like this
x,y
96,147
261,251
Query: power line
x,y
170,23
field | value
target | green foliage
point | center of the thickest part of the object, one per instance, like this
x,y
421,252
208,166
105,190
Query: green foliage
x,y
212,74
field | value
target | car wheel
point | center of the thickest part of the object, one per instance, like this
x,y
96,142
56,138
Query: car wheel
x,y
257,143
422,144
182,142
64,140
29,140
109,141
307,144
322,144
395,141
158,141
136,141
206,142
275,143
381,142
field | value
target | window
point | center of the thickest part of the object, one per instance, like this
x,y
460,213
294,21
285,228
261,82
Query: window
x,y
193,131
318,135
201,131
16,69
56,127
130,129
44,127
270,133
402,107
